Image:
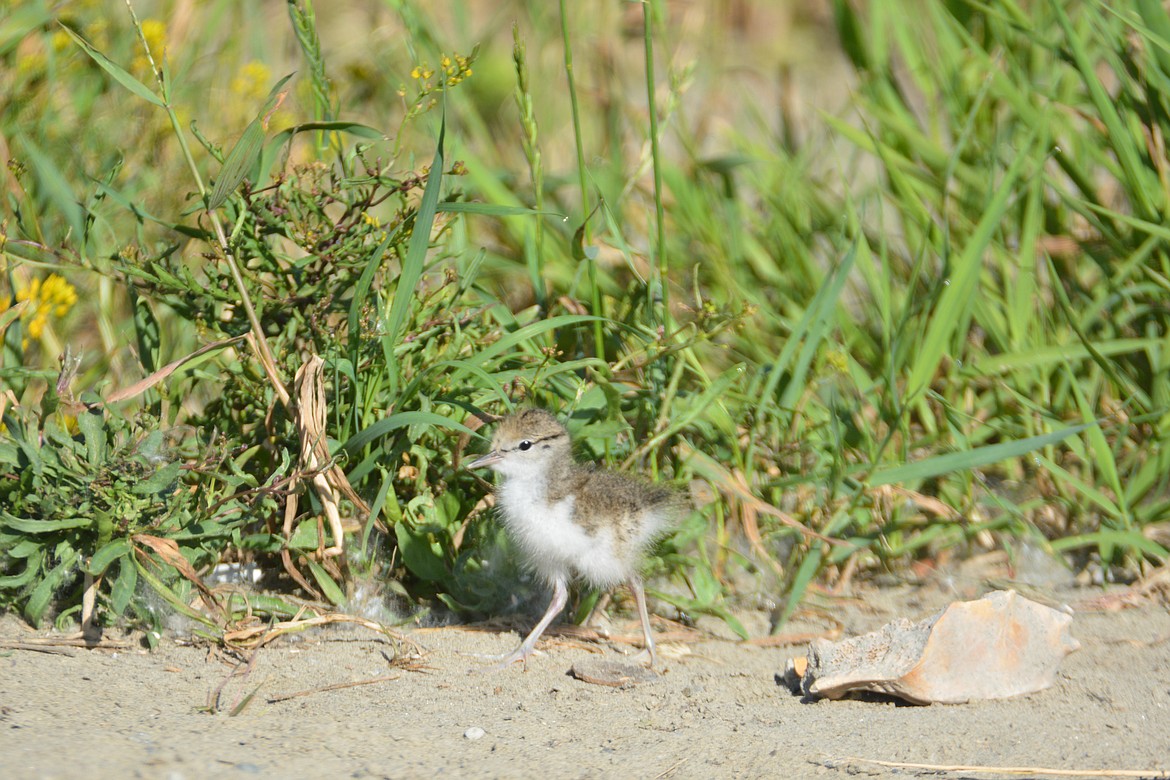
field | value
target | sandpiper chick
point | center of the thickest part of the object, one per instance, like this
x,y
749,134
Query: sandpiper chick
x,y
572,521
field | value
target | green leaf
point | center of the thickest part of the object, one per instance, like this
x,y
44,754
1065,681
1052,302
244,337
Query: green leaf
x,y
959,293
39,526
124,586
245,153
160,481
1137,176
336,126
814,326
969,459
146,331
305,536
493,210
330,588
1108,538
119,75
421,555
238,163
1037,357
272,148
93,430
530,332
141,213
1103,457
19,23
38,600
31,568
361,293
169,595
102,559
731,620
22,549
415,260
1086,489
55,187
707,588
401,420
804,575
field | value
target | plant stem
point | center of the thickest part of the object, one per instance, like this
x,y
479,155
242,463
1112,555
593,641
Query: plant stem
x,y
587,233
655,153
260,342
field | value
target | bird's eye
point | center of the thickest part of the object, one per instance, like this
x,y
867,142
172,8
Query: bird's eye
x,y
524,446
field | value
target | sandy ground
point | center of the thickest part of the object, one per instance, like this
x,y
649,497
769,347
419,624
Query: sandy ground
x,y
715,711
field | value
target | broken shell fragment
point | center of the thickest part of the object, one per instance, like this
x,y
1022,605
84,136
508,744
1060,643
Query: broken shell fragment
x,y
999,646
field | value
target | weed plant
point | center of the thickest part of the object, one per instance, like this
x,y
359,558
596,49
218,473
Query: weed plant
x,y
929,321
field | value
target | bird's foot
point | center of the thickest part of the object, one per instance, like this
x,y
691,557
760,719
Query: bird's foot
x,y
645,658
497,662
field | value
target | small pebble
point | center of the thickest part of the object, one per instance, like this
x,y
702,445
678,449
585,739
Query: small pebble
x,y
473,733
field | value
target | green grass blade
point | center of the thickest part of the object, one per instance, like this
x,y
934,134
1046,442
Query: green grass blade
x,y
804,577
56,187
957,296
494,210
328,586
530,332
416,256
402,420
1117,135
1065,477
119,75
1040,357
969,459
246,152
1110,537
238,163
813,328
1104,460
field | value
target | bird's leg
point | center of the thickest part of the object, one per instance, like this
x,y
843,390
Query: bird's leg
x,y
528,646
640,597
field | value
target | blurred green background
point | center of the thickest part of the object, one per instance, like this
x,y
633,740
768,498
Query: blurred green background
x,y
880,284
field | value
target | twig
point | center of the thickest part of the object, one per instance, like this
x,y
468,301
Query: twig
x,y
1029,771
333,687
670,770
65,641
257,636
240,670
5,645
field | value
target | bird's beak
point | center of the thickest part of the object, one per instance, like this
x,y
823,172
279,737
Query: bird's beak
x,y
488,459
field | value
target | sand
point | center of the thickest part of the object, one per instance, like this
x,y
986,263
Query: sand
x,y
715,711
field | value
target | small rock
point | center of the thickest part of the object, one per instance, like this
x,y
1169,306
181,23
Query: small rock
x,y
474,733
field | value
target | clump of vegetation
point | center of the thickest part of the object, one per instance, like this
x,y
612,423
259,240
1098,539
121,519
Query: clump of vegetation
x,y
933,321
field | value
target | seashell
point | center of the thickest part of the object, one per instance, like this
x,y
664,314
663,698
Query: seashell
x,y
999,646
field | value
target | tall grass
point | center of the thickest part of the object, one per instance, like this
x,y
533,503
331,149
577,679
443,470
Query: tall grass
x,y
935,322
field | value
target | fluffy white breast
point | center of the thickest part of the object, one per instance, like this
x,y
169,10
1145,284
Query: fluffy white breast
x,y
554,545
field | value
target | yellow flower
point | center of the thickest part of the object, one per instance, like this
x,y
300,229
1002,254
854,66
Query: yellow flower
x,y
30,60
155,34
838,361
61,41
53,297
251,83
